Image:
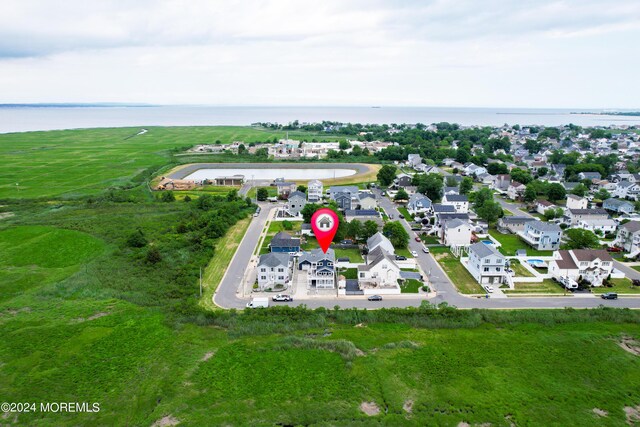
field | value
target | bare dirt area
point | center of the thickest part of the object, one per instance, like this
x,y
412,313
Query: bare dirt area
x,y
600,412
630,345
408,406
208,356
633,414
370,408
167,421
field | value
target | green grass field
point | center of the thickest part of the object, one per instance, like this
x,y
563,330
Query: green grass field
x,y
411,286
511,243
547,286
459,275
621,286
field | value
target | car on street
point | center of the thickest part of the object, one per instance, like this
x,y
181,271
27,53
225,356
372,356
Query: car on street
x,y
418,239
489,289
609,295
400,216
375,298
390,216
414,253
282,297
614,249
425,249
401,258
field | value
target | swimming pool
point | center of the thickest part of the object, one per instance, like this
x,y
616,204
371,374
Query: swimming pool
x,y
487,242
537,262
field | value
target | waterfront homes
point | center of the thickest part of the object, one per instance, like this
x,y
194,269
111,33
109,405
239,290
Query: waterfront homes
x,y
314,191
576,202
320,268
618,206
419,203
296,202
513,224
380,240
543,205
380,274
274,269
459,202
486,264
628,237
456,232
574,216
594,266
283,242
543,236
627,190
285,188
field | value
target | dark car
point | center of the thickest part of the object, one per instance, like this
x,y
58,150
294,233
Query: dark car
x,y
609,295
614,249
343,259
375,298
417,239
400,216
401,258
635,282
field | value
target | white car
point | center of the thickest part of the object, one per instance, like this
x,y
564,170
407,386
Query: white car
x,y
425,249
414,253
489,289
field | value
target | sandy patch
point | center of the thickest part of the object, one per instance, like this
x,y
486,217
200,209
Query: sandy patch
x,y
630,345
408,406
167,421
370,408
360,325
600,412
4,215
464,424
92,317
633,414
359,352
208,355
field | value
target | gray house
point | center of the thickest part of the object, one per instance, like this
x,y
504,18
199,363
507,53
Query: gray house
x,y
296,202
513,224
486,264
616,205
274,269
543,236
320,268
419,203
343,200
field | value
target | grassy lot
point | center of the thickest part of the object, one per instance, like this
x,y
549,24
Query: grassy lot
x,y
403,210
273,192
225,249
349,273
411,286
511,243
277,226
459,275
354,254
430,239
519,269
403,252
621,286
548,286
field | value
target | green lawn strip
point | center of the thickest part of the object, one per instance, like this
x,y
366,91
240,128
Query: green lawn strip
x,y
548,286
620,286
403,210
349,273
459,275
510,243
277,226
430,239
353,254
403,252
225,249
519,269
411,286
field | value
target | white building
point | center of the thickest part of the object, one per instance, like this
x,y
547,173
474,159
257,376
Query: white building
x,y
459,202
576,202
486,264
456,233
543,236
381,273
314,191
419,203
629,237
380,240
594,266
274,269
604,225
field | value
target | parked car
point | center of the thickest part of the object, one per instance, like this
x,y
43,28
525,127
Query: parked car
x,y
414,253
635,282
614,249
425,249
390,216
375,298
347,242
401,258
489,289
609,295
400,216
282,297
418,239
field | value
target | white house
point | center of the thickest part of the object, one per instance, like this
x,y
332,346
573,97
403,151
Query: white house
x,y
574,216
594,266
414,160
472,169
367,200
515,190
459,202
486,264
419,203
456,233
629,237
381,273
576,202
543,236
604,225
296,202
314,190
380,240
274,269
543,205
627,190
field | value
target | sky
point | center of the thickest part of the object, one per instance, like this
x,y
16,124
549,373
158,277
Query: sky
x,y
462,53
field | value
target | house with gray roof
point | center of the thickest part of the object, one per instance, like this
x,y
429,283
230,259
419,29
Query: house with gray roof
x,y
314,190
319,267
296,202
486,264
456,232
284,242
618,206
274,269
419,203
628,237
575,216
513,224
543,236
367,200
380,240
380,274
459,201
363,215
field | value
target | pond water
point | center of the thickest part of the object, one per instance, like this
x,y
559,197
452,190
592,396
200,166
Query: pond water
x,y
271,173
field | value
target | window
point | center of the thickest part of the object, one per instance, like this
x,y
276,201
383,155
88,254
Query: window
x,y
486,261
263,277
362,275
486,269
280,270
263,270
497,268
280,277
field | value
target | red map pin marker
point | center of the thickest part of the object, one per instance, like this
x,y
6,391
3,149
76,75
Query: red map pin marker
x,y
324,223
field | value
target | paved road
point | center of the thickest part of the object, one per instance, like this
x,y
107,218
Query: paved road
x,y
229,294
512,207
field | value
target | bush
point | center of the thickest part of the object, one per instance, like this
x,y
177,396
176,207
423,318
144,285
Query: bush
x,y
153,256
137,239
168,197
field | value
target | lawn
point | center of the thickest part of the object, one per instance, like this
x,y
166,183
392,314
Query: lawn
x,y
277,226
430,239
519,269
349,273
353,254
403,210
411,286
459,275
511,243
620,286
403,252
548,286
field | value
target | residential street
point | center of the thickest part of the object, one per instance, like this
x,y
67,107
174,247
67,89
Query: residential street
x,y
229,293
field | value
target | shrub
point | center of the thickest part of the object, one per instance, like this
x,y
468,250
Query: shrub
x,y
137,239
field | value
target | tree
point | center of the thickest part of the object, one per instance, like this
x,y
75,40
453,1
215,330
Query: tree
x,y
344,145
530,193
463,155
430,185
466,185
262,194
287,225
370,228
153,256
386,175
542,171
308,211
579,238
355,229
232,195
302,188
522,176
451,182
556,192
168,196
551,213
480,197
396,234
187,198
602,194
580,190
401,195
137,239
242,149
490,211
262,152
496,168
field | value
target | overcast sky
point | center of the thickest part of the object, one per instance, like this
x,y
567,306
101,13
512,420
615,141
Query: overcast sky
x,y
573,54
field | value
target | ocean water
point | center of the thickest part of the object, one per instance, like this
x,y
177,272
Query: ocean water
x,y
34,118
